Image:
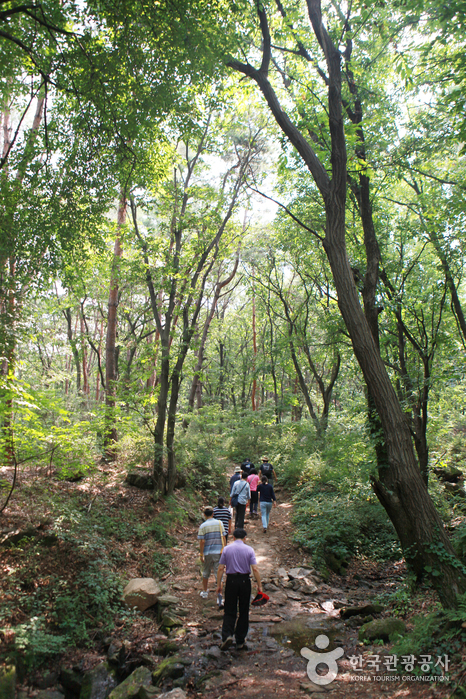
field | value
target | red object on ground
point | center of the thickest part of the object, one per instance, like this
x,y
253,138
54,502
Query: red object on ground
x,y
260,599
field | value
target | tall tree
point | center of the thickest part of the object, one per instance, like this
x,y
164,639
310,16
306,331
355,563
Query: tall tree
x,y
199,219
399,485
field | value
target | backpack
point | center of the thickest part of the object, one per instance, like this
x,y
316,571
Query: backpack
x,y
234,499
267,470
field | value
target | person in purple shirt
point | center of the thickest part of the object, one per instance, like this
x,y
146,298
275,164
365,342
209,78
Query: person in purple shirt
x,y
237,559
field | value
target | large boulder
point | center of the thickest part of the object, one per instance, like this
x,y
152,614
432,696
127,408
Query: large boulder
x,y
98,683
130,687
366,610
449,473
382,629
140,478
141,593
170,667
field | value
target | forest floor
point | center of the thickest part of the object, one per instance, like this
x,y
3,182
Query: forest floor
x,y
273,665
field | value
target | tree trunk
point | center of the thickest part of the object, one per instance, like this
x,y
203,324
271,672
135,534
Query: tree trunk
x,y
84,360
254,348
73,345
111,362
400,487
195,386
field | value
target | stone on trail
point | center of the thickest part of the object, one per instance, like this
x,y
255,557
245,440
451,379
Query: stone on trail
x,y
213,652
382,629
307,586
141,593
170,620
129,688
299,573
365,610
170,667
168,600
174,694
97,683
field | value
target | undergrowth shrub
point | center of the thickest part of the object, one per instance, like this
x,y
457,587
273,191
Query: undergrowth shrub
x,y
160,563
337,515
199,453
136,449
335,526
458,540
252,435
438,634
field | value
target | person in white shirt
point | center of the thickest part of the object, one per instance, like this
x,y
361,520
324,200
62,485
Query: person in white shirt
x,y
242,490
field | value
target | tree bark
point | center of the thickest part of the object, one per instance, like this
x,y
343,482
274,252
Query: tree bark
x,y
111,355
254,348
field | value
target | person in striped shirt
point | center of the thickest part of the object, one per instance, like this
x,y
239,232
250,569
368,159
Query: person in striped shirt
x,y
223,514
211,543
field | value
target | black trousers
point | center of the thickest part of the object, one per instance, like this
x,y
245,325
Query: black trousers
x,y
254,501
237,595
240,512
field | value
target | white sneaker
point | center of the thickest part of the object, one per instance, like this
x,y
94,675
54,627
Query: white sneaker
x,y
204,594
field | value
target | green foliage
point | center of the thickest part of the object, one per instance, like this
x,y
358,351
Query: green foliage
x,y
136,448
439,633
200,454
458,541
337,516
71,606
34,645
94,599
159,528
161,563
251,435
61,612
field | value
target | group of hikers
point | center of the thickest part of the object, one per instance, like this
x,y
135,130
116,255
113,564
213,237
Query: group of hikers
x,y
237,559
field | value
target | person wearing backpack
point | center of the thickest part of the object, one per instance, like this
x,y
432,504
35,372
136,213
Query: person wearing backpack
x,y
239,498
267,500
247,466
267,470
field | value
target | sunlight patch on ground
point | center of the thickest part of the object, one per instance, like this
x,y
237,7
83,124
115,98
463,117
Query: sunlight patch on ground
x,y
261,559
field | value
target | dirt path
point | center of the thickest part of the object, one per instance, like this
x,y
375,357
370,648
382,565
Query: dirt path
x,y
273,665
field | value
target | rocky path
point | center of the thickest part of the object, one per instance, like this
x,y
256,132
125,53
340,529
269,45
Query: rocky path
x,y
301,608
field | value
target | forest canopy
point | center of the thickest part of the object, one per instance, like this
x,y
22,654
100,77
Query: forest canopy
x,y
234,227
